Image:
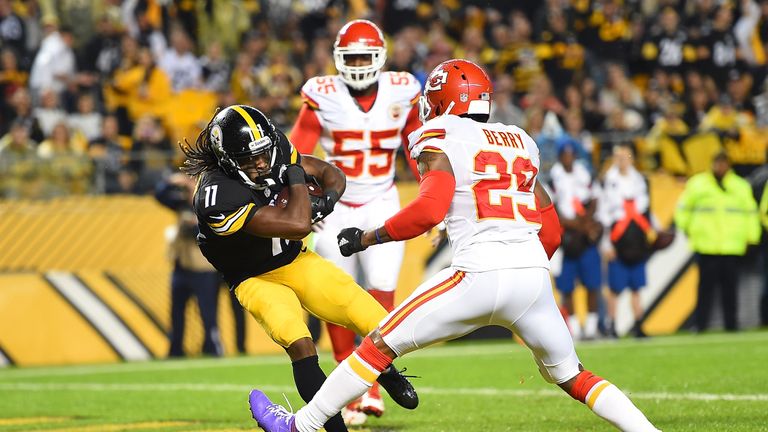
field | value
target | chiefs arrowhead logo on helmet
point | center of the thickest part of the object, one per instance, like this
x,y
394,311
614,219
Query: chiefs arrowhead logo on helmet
x,y
456,87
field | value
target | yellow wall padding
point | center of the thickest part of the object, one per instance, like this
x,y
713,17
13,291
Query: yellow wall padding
x,y
664,191
81,233
153,337
39,327
676,306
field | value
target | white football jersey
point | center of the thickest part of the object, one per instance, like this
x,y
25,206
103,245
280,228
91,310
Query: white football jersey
x,y
363,144
493,222
572,189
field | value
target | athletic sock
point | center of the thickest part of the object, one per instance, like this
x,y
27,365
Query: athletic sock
x,y
590,326
575,325
309,378
609,403
347,382
342,341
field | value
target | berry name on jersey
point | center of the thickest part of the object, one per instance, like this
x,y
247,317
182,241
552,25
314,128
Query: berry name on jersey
x,y
493,221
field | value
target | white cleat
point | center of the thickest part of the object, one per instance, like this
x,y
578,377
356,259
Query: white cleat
x,y
372,404
352,415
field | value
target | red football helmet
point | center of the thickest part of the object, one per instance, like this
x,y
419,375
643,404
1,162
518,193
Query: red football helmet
x,y
456,87
360,37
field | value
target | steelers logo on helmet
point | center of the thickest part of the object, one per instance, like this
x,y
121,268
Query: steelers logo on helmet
x,y
216,137
245,143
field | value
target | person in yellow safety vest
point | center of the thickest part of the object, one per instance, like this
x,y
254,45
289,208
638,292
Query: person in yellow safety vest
x,y
719,215
764,219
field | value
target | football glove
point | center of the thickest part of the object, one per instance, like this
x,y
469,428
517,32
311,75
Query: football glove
x,y
350,241
322,206
292,174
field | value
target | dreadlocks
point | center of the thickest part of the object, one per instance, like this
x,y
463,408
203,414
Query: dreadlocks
x,y
200,156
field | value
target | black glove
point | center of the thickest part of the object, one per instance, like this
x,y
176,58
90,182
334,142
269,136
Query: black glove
x,y
322,206
350,241
292,174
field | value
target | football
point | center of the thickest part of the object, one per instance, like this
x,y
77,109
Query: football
x,y
284,194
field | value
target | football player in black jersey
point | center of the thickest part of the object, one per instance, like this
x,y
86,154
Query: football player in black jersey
x,y
242,162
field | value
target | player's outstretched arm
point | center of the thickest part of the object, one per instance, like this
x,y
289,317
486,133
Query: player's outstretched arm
x,y
291,222
427,210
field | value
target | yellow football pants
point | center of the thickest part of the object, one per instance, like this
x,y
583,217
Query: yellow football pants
x,y
276,298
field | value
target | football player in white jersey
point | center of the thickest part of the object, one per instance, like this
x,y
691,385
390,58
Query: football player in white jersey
x,y
360,117
482,180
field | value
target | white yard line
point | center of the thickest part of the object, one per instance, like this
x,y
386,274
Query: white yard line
x,y
238,388
463,350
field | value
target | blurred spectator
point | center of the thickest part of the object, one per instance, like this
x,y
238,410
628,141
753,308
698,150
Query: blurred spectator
x,y
12,29
562,55
576,203
49,113
101,55
192,273
108,157
519,57
150,153
718,49
12,77
86,121
67,170
19,169
503,109
216,68
54,65
21,111
718,214
138,87
724,118
180,63
624,209
696,108
243,81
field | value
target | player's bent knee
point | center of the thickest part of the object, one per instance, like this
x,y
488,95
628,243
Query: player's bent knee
x,y
301,349
561,372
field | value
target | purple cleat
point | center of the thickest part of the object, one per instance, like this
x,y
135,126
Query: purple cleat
x,y
270,416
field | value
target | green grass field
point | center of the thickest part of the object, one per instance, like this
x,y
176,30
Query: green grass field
x,y
715,382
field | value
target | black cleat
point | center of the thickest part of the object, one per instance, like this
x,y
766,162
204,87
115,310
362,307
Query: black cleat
x,y
399,388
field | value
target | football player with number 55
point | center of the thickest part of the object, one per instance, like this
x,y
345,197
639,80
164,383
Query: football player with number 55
x,y
360,117
481,179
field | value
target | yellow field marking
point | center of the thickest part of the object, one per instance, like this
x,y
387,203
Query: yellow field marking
x,y
121,426
30,420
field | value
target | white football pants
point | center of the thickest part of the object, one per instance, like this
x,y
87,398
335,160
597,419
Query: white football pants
x,y
453,303
380,264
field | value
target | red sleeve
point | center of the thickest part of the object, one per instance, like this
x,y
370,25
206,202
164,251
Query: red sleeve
x,y
427,210
411,124
549,234
306,131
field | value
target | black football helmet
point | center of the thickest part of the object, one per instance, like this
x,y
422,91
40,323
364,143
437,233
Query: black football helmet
x,y
240,132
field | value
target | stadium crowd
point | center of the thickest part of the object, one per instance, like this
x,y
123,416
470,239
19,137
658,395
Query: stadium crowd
x,y
97,93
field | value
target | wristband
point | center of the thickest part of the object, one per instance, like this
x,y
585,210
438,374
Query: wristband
x,y
378,239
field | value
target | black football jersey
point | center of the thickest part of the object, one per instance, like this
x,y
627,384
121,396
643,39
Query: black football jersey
x,y
224,206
